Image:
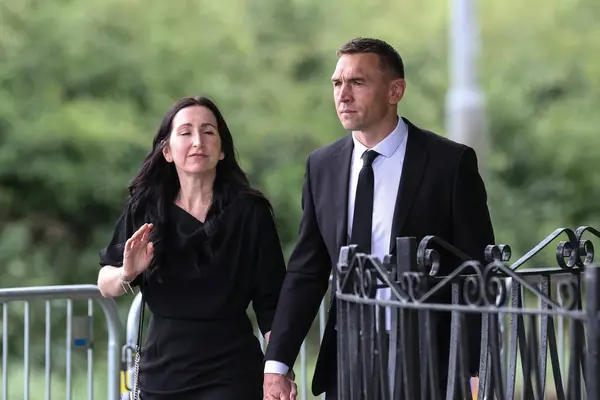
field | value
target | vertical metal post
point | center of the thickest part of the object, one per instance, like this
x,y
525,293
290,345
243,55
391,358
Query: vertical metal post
x,y
48,345
592,307
69,343
133,318
409,321
114,346
4,351
26,368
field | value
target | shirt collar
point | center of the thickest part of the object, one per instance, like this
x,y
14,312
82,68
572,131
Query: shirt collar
x,y
388,146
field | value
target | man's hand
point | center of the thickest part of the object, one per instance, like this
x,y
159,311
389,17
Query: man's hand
x,y
291,375
279,387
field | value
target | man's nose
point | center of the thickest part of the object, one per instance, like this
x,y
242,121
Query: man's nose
x,y
345,94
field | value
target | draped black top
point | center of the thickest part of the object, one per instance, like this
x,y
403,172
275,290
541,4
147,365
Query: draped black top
x,y
199,333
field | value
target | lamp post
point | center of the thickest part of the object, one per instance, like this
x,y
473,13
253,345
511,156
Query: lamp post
x,y
465,104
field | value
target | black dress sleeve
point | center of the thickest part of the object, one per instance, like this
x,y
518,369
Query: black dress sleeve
x,y
269,270
112,254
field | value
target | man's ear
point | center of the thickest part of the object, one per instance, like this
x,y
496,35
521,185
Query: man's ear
x,y
397,89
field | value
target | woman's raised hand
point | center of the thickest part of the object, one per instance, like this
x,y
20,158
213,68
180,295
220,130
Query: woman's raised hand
x,y
138,252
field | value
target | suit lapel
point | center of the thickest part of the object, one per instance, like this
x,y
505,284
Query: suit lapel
x,y
415,160
340,170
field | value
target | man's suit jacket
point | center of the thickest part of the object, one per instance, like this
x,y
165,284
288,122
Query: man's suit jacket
x,y
441,193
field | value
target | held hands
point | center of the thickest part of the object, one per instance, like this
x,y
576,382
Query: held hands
x,y
280,387
138,252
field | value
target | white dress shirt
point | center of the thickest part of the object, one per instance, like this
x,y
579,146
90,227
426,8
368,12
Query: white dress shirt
x,y
387,170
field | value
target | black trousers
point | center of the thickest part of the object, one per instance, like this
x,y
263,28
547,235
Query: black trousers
x,y
331,391
331,387
331,394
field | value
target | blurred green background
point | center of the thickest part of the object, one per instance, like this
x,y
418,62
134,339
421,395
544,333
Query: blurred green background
x,y
84,85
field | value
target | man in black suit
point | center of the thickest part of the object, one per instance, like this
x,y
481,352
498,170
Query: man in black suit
x,y
387,179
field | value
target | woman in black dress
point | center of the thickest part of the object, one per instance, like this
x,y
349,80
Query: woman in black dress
x,y
202,244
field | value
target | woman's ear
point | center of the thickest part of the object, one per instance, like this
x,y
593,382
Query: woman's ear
x,y
222,156
167,153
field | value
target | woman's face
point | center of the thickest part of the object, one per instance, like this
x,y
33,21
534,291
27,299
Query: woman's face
x,y
194,145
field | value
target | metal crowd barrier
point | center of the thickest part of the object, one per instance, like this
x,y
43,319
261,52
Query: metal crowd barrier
x,y
79,336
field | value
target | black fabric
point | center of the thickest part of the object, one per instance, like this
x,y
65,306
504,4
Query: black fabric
x,y
363,204
199,336
246,388
331,392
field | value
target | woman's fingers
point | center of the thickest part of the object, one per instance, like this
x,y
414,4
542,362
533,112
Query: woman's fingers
x,y
149,250
146,232
128,244
138,242
138,233
142,231
145,236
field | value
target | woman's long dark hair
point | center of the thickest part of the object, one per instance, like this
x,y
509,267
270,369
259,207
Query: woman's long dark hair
x,y
153,190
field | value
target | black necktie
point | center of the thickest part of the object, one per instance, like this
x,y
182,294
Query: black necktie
x,y
362,224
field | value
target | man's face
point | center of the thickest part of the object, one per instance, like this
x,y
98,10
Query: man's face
x,y
362,91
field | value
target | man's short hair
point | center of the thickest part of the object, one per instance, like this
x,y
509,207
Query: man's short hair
x,y
388,56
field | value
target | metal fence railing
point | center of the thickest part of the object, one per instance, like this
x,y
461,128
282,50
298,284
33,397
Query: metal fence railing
x,y
550,348
79,336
